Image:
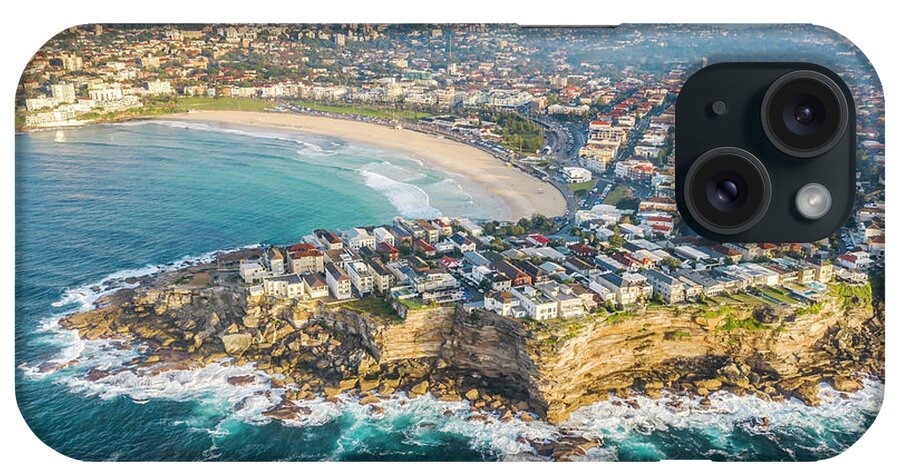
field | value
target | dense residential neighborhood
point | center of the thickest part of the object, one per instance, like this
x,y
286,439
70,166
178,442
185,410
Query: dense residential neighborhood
x,y
415,263
602,134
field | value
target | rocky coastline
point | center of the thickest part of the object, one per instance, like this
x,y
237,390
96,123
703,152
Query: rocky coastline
x,y
503,367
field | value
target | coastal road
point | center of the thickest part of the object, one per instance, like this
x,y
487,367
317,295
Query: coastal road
x,y
564,139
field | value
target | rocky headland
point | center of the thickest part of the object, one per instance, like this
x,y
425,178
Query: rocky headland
x,y
509,367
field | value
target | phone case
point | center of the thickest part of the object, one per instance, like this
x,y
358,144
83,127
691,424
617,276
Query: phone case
x,y
420,242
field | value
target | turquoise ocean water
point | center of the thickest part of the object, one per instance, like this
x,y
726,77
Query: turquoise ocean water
x,y
98,204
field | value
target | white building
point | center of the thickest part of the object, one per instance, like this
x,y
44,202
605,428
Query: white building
x,y
252,270
357,238
382,235
159,87
338,282
576,174
504,303
63,92
361,278
536,304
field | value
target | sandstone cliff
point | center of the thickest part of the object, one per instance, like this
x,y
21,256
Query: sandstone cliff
x,y
508,366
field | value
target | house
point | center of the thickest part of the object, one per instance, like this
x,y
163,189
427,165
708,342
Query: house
x,y
476,259
448,263
470,228
401,236
580,267
274,260
628,288
537,239
411,227
582,250
287,286
338,282
305,258
536,304
425,248
315,285
252,270
462,243
432,233
709,285
576,174
331,241
569,305
356,238
360,278
518,277
501,282
669,289
387,251
537,274
854,260
443,226
382,235
824,270
382,278
504,303
434,280
444,246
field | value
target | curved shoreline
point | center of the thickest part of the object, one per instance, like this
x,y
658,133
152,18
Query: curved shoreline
x,y
516,192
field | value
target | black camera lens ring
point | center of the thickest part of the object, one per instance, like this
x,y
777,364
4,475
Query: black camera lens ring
x,y
765,194
838,96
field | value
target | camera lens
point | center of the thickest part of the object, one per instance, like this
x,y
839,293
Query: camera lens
x,y
804,113
727,190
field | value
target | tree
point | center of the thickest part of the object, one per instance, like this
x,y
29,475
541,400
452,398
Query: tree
x,y
616,240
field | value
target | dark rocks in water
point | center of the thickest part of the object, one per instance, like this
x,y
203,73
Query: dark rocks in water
x,y
570,446
241,380
500,365
756,422
96,374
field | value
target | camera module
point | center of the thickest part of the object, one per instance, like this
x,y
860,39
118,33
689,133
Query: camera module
x,y
804,113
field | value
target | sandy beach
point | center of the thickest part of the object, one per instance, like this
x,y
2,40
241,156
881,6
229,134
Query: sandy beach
x,y
518,193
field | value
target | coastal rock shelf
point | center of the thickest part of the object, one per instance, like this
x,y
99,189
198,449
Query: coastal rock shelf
x,y
511,368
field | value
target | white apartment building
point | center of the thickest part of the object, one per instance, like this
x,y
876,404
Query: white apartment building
x,y
576,174
356,238
382,235
63,92
361,278
338,282
568,304
252,270
536,304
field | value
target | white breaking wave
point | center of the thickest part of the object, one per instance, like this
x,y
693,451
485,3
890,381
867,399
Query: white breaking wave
x,y
261,132
208,384
85,296
615,421
82,298
409,200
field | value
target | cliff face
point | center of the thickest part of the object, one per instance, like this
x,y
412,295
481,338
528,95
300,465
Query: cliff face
x,y
499,364
771,354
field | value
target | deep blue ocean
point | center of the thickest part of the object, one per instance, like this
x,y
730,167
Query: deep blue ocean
x,y
98,204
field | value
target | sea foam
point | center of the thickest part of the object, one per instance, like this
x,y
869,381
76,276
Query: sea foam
x,y
259,132
622,427
409,200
